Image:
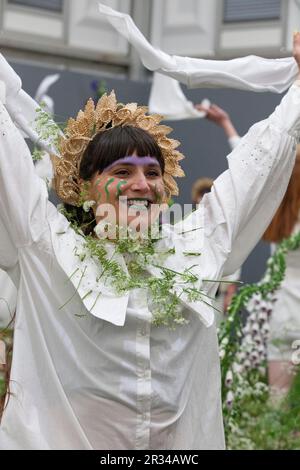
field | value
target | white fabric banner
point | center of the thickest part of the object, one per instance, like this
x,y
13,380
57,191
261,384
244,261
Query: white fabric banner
x,y
246,73
167,98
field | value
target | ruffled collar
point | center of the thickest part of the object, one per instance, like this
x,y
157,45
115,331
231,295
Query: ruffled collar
x,y
97,294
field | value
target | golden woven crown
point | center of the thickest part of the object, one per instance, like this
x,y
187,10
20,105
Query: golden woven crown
x,y
94,119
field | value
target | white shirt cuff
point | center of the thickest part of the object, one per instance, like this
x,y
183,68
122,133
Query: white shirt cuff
x,y
233,141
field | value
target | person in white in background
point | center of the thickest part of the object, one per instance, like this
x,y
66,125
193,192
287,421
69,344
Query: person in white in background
x,y
285,318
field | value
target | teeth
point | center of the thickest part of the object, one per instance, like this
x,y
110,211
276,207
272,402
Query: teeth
x,y
138,203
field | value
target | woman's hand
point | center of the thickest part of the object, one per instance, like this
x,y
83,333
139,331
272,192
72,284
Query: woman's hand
x,y
220,117
214,113
296,49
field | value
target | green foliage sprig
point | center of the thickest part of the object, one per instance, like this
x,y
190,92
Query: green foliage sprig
x,y
46,128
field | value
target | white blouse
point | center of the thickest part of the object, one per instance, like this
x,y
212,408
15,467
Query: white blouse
x,y
96,374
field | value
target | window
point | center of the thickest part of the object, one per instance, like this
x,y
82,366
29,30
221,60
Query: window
x,y
251,10
50,5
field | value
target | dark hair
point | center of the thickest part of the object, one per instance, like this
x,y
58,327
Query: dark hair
x,y
115,143
106,148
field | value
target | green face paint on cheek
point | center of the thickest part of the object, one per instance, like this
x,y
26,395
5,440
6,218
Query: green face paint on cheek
x,y
109,182
119,190
98,190
157,194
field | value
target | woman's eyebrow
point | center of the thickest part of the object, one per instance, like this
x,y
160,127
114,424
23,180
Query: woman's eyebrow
x,y
134,161
134,164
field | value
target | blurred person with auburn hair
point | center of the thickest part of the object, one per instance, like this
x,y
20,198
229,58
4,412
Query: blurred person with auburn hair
x,y
200,187
285,319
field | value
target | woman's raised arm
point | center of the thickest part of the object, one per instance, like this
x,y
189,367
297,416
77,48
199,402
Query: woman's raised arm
x,y
245,197
23,195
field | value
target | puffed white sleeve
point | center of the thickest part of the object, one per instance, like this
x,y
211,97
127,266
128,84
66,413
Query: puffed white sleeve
x,y
245,197
23,195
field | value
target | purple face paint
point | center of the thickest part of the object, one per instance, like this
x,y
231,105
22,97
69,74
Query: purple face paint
x,y
135,161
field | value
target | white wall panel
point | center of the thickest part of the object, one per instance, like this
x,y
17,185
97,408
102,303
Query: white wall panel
x,y
32,24
88,31
184,27
253,10
261,36
247,39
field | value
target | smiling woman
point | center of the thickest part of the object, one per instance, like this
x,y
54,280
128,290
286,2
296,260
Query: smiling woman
x,y
151,378
133,198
